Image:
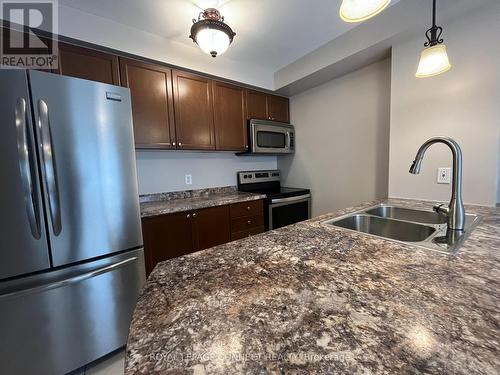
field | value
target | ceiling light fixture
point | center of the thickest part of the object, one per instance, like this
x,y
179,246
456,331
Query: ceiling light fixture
x,y
211,33
434,58
361,10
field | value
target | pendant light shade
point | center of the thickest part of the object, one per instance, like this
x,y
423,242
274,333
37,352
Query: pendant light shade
x,y
433,61
434,58
210,32
361,10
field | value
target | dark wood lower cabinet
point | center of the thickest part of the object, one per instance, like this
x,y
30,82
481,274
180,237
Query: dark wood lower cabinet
x,y
173,235
211,227
166,237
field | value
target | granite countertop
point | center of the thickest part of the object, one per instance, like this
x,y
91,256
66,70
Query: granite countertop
x,y
179,201
316,299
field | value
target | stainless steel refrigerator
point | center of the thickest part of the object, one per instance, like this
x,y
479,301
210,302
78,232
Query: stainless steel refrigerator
x,y
71,256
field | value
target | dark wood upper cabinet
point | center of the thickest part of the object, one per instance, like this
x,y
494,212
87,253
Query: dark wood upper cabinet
x,y
152,103
278,108
166,237
256,105
229,117
88,64
193,106
264,106
171,109
211,227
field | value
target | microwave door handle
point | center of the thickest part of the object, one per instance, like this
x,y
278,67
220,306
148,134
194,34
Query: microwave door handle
x,y
24,148
288,140
49,166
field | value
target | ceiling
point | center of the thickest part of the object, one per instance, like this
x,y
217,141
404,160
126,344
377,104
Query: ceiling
x,y
270,33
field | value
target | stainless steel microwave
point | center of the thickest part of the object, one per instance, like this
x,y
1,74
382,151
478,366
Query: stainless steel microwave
x,y
270,137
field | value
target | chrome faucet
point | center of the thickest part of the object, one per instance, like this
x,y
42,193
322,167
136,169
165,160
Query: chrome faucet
x,y
455,210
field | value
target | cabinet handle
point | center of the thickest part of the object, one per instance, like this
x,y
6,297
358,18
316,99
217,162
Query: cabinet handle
x,y
188,216
249,208
180,144
173,143
194,214
249,222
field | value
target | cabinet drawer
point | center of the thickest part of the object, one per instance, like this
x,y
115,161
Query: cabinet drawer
x,y
246,233
247,222
246,208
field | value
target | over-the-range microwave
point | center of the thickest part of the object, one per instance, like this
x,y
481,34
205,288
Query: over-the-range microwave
x,y
270,137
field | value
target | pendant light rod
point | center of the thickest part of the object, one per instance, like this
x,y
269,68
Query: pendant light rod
x,y
434,13
434,33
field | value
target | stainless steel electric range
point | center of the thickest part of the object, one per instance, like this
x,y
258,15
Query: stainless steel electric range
x,y
283,205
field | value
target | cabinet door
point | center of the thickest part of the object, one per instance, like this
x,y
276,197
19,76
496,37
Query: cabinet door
x,y
152,103
257,105
211,227
166,237
88,64
278,108
229,117
193,105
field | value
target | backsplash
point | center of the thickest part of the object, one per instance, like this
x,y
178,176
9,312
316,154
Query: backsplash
x,y
167,196
164,171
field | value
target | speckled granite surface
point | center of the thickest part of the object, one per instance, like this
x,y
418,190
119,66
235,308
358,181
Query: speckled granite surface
x,y
315,299
179,201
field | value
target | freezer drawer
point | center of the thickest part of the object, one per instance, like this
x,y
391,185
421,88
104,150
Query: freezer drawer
x,y
57,322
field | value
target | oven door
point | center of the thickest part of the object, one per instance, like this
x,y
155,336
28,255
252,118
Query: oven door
x,y
286,211
269,138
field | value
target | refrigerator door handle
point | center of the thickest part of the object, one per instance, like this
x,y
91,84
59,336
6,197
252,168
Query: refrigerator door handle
x,y
70,280
49,166
24,149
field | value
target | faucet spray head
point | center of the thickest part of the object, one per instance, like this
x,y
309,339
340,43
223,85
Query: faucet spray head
x,y
415,167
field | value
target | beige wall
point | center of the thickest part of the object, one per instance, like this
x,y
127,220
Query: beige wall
x,y
464,104
161,171
342,133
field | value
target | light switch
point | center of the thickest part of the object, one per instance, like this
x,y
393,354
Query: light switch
x,y
188,179
444,176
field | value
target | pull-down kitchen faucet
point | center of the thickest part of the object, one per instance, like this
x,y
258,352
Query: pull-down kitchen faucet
x,y
455,211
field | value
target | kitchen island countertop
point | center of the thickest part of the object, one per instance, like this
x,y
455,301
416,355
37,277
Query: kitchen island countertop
x,y
315,299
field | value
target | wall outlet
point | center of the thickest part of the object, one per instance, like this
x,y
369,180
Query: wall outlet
x,y
188,179
444,176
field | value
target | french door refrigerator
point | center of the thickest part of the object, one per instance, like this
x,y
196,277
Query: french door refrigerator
x,y
71,256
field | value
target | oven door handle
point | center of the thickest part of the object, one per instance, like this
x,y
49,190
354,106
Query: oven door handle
x,y
291,199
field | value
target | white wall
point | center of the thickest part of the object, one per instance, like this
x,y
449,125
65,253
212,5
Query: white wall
x,y
463,103
342,132
161,171
84,26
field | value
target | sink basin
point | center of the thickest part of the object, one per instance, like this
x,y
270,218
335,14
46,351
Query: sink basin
x,y
393,229
400,213
426,229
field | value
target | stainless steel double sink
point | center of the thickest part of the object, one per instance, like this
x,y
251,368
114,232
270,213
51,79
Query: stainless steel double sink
x,y
425,229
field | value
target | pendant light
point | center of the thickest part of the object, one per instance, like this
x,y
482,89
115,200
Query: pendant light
x,y
361,10
434,58
210,32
